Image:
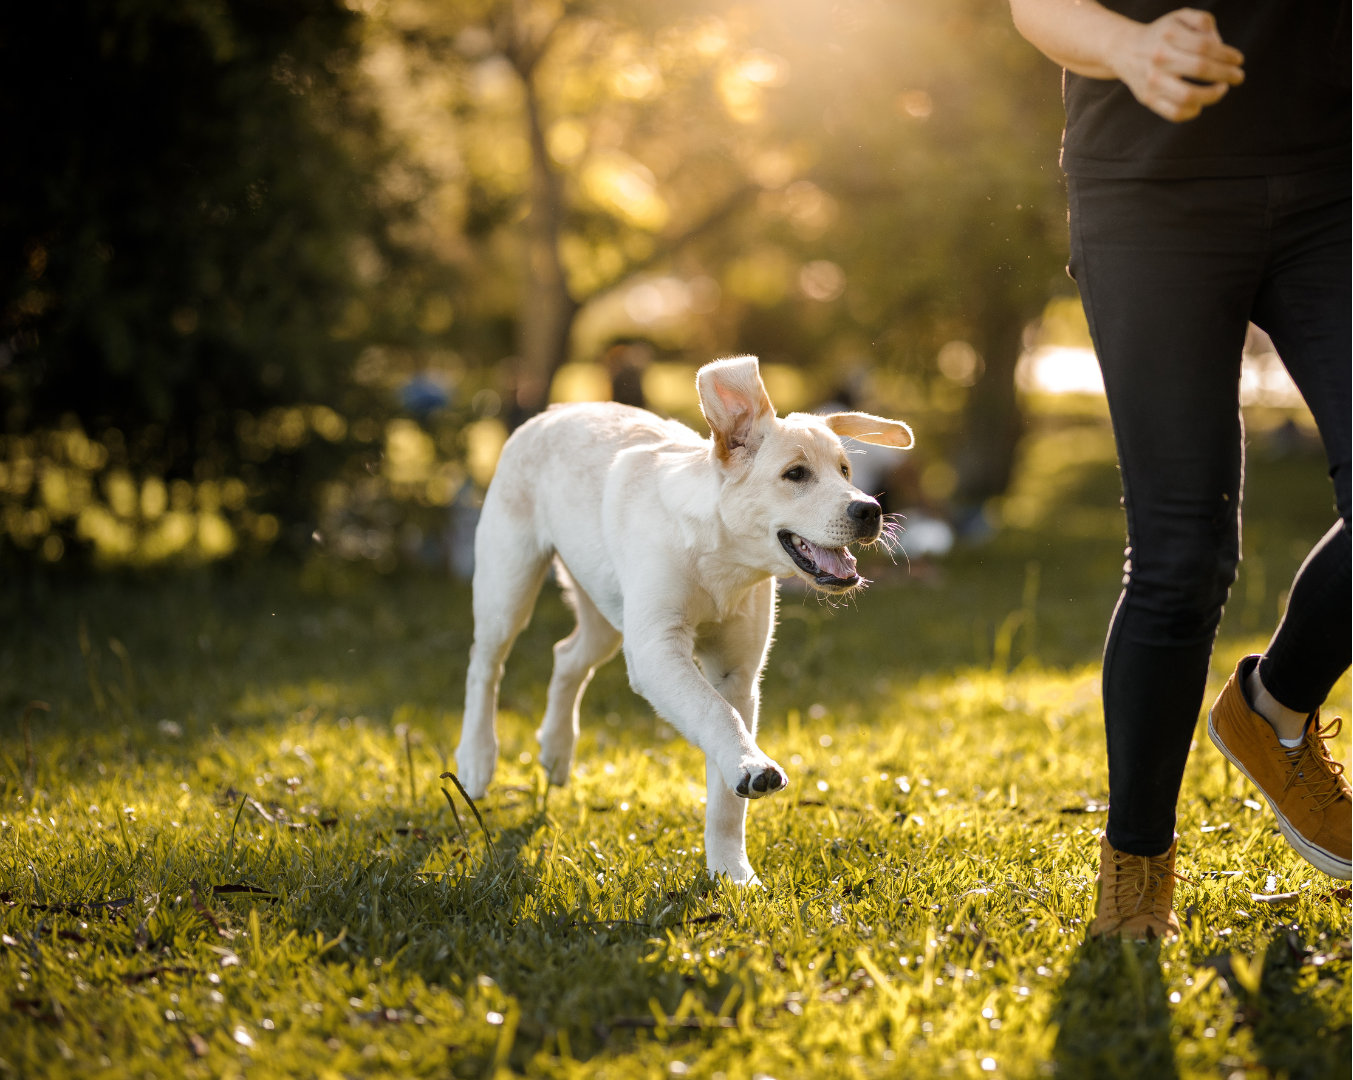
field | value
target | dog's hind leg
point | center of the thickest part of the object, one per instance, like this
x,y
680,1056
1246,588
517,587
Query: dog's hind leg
x,y
509,569
576,659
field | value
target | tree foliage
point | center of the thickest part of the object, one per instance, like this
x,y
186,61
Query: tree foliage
x,y
234,235
183,221
865,182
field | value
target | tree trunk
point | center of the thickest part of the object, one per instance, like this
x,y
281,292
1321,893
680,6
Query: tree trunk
x,y
993,423
548,309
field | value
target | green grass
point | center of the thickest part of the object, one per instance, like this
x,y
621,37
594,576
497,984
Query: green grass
x,y
931,928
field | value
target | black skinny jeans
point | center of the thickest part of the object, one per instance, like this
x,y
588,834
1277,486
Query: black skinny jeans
x,y
1170,271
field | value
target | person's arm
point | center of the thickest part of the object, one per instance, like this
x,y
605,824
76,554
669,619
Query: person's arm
x,y
1156,60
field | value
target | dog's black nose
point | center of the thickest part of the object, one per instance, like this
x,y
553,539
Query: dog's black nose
x,y
866,512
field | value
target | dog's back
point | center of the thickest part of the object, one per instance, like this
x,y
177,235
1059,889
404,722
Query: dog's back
x,y
553,474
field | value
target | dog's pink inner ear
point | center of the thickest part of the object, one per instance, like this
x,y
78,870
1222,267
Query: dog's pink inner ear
x,y
735,404
871,429
739,413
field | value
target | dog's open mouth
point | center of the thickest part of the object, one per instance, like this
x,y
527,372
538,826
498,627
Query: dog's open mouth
x,y
830,568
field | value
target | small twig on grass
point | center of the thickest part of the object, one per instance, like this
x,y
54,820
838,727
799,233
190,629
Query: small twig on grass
x,y
30,778
473,809
456,814
202,910
109,906
252,890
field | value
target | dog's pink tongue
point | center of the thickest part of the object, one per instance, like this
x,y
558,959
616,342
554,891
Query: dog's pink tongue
x,y
838,562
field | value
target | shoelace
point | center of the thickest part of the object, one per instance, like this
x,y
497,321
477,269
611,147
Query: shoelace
x,y
1313,757
1155,870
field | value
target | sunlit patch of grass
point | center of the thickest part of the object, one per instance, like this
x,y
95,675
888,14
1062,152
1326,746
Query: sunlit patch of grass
x,y
928,874
928,877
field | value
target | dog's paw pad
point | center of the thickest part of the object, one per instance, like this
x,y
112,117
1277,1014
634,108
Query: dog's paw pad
x,y
759,782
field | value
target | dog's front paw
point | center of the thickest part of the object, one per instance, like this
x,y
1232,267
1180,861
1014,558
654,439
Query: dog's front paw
x,y
556,763
760,779
475,770
742,874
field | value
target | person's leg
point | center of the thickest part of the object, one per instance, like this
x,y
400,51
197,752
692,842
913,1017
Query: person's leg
x,y
1304,306
1303,303
1167,272
1310,648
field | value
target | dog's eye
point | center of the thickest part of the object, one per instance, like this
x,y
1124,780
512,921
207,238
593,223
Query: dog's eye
x,y
845,471
798,472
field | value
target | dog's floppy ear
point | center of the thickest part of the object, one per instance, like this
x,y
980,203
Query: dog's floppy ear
x,y
735,403
862,427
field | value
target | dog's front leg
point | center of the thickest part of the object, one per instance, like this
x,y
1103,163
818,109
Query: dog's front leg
x,y
731,658
662,669
725,829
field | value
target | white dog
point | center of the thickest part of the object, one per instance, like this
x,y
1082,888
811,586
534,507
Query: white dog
x,y
671,543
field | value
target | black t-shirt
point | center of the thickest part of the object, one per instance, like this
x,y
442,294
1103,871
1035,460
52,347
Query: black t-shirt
x,y
1290,114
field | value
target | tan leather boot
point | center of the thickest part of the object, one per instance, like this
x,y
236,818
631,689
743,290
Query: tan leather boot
x,y
1136,894
1305,786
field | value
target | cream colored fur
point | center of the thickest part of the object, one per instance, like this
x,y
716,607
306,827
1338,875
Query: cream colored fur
x,y
669,544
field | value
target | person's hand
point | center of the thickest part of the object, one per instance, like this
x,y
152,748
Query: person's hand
x,y
1156,60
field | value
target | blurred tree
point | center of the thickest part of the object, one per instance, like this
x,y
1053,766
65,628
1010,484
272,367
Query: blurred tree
x,y
168,227
868,182
191,238
237,237
571,125
937,140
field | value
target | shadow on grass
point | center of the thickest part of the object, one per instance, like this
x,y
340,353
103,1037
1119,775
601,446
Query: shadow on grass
x,y
1301,1023
566,966
1112,1014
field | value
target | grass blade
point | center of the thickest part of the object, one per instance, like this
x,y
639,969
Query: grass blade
x,y
456,814
408,752
230,845
122,828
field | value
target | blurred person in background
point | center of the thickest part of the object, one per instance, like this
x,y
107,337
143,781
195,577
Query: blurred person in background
x,y
1207,162
626,361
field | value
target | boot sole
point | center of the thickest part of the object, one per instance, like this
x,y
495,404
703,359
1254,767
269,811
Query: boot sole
x,y
1324,861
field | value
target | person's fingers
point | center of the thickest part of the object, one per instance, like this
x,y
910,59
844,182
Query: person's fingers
x,y
1176,90
1223,53
1213,48
1202,21
1180,65
1177,100
1195,66
1209,95
1194,103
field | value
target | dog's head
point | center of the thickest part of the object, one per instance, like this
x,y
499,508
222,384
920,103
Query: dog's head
x,y
787,490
